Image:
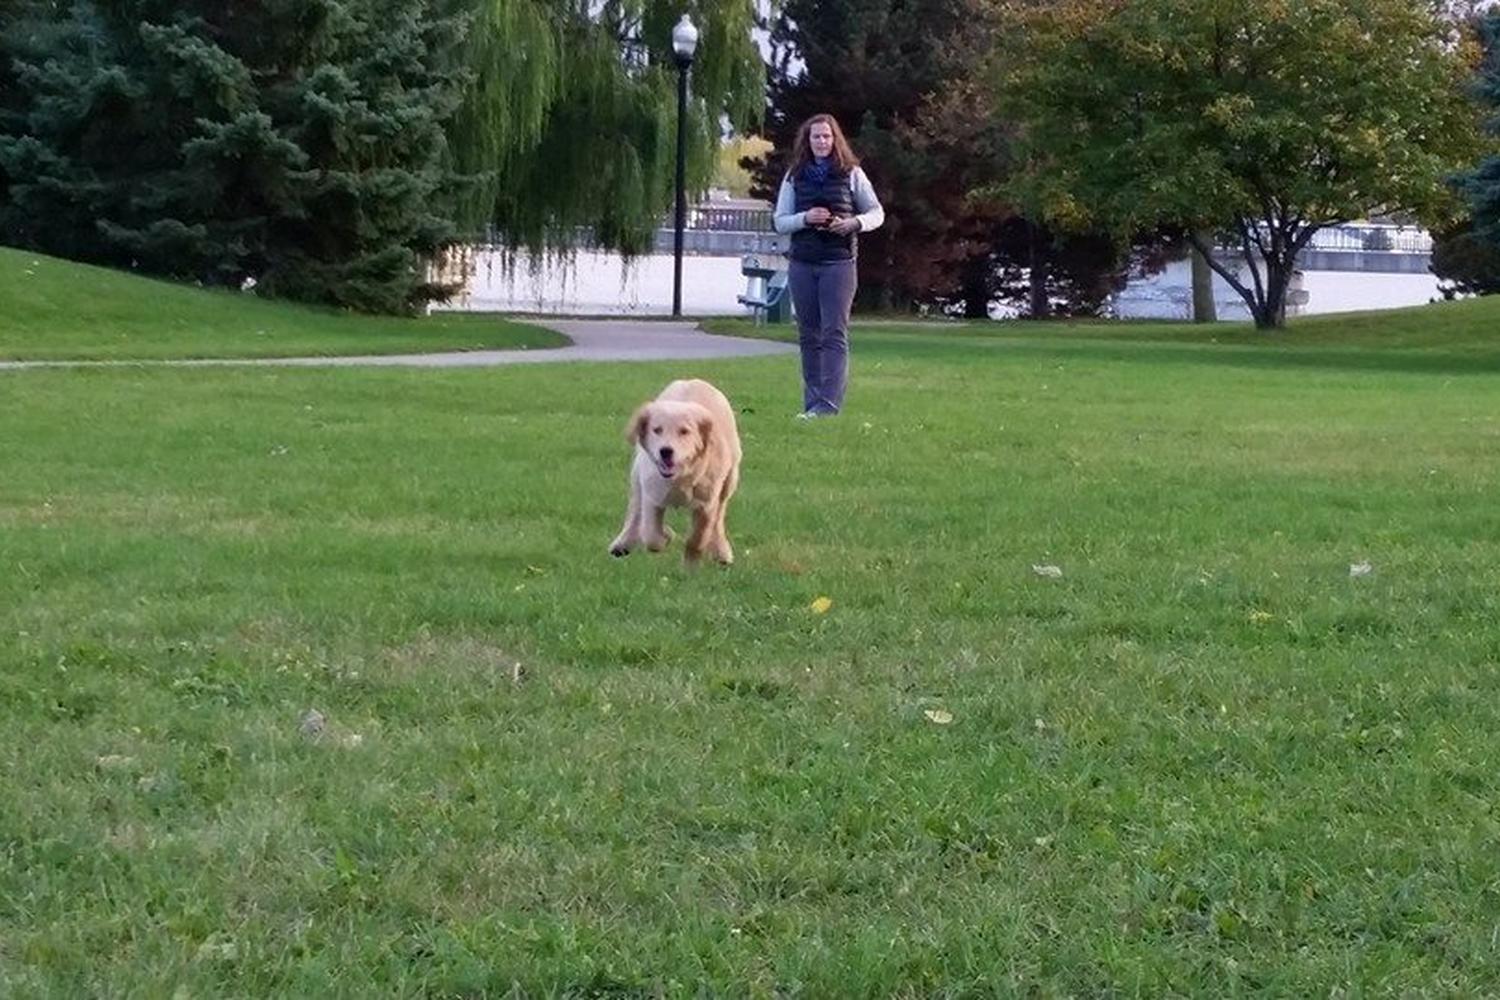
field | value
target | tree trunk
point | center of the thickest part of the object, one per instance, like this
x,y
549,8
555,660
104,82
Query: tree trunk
x,y
1266,299
1040,303
978,287
1270,314
1204,310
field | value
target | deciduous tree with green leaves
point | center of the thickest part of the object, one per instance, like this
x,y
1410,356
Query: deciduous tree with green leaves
x,y
1261,120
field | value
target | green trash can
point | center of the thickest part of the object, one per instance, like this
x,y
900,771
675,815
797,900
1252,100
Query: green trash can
x,y
768,296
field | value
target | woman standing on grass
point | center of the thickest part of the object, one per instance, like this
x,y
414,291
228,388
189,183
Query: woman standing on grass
x,y
824,201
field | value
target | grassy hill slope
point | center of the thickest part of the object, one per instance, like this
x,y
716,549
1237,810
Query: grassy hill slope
x,y
59,309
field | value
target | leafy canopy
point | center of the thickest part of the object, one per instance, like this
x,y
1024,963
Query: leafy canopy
x,y
1205,112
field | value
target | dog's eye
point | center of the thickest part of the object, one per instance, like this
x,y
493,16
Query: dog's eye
x,y
656,430
681,431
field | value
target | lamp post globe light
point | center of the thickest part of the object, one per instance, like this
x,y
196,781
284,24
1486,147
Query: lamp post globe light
x,y
684,44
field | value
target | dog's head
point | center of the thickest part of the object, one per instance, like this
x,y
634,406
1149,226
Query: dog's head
x,y
673,434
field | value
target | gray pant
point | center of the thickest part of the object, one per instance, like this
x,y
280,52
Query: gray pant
x,y
822,295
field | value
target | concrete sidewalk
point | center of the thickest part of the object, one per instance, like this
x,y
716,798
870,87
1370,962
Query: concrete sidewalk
x,y
593,340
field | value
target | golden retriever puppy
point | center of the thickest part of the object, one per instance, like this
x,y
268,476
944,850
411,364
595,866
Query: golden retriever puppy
x,y
687,454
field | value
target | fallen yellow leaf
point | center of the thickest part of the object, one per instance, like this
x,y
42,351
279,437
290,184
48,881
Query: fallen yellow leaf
x,y
941,716
821,605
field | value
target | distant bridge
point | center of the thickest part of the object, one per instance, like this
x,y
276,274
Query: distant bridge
x,y
735,229
725,231
1371,247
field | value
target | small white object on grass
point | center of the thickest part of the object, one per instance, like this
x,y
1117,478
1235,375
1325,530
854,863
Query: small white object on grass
x,y
1360,569
1047,570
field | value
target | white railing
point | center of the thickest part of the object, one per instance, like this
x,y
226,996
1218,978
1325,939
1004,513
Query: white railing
x,y
1373,238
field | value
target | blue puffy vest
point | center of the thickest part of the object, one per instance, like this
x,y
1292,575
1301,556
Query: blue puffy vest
x,y
816,245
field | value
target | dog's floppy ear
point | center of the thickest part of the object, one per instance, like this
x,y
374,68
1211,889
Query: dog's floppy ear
x,y
705,427
635,429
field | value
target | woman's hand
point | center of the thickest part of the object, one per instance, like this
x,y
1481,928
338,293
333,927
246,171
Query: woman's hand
x,y
844,226
818,216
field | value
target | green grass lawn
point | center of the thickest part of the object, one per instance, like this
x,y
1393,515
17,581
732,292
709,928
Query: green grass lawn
x,y
1205,760
53,309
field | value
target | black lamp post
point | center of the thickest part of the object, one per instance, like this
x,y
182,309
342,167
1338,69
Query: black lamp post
x,y
684,44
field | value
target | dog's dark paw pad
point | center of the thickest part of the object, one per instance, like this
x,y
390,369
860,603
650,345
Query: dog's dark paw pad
x,y
619,551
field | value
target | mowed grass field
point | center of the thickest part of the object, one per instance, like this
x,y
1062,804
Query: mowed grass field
x,y
1204,760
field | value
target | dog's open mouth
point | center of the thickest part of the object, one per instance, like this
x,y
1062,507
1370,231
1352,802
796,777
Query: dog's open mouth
x,y
667,467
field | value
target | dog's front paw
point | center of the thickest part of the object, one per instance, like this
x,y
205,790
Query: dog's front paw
x,y
619,549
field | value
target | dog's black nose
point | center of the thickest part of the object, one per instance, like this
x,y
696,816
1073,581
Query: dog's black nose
x,y
666,453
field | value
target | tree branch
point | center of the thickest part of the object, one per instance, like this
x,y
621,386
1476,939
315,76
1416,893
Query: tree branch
x,y
1229,276
1249,252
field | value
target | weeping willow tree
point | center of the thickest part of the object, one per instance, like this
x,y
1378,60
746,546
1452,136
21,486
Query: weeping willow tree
x,y
571,117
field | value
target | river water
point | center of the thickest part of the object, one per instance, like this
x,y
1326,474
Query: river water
x,y
594,283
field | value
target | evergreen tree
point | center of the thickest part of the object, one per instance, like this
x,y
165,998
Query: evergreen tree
x,y
296,142
1465,263
10,106
1467,256
331,149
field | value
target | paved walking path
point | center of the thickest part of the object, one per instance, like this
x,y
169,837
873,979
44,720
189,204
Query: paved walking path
x,y
593,340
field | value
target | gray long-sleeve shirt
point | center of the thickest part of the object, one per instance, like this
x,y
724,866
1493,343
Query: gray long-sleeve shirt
x,y
870,215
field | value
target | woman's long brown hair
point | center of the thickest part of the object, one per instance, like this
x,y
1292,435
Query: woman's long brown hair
x,y
842,156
